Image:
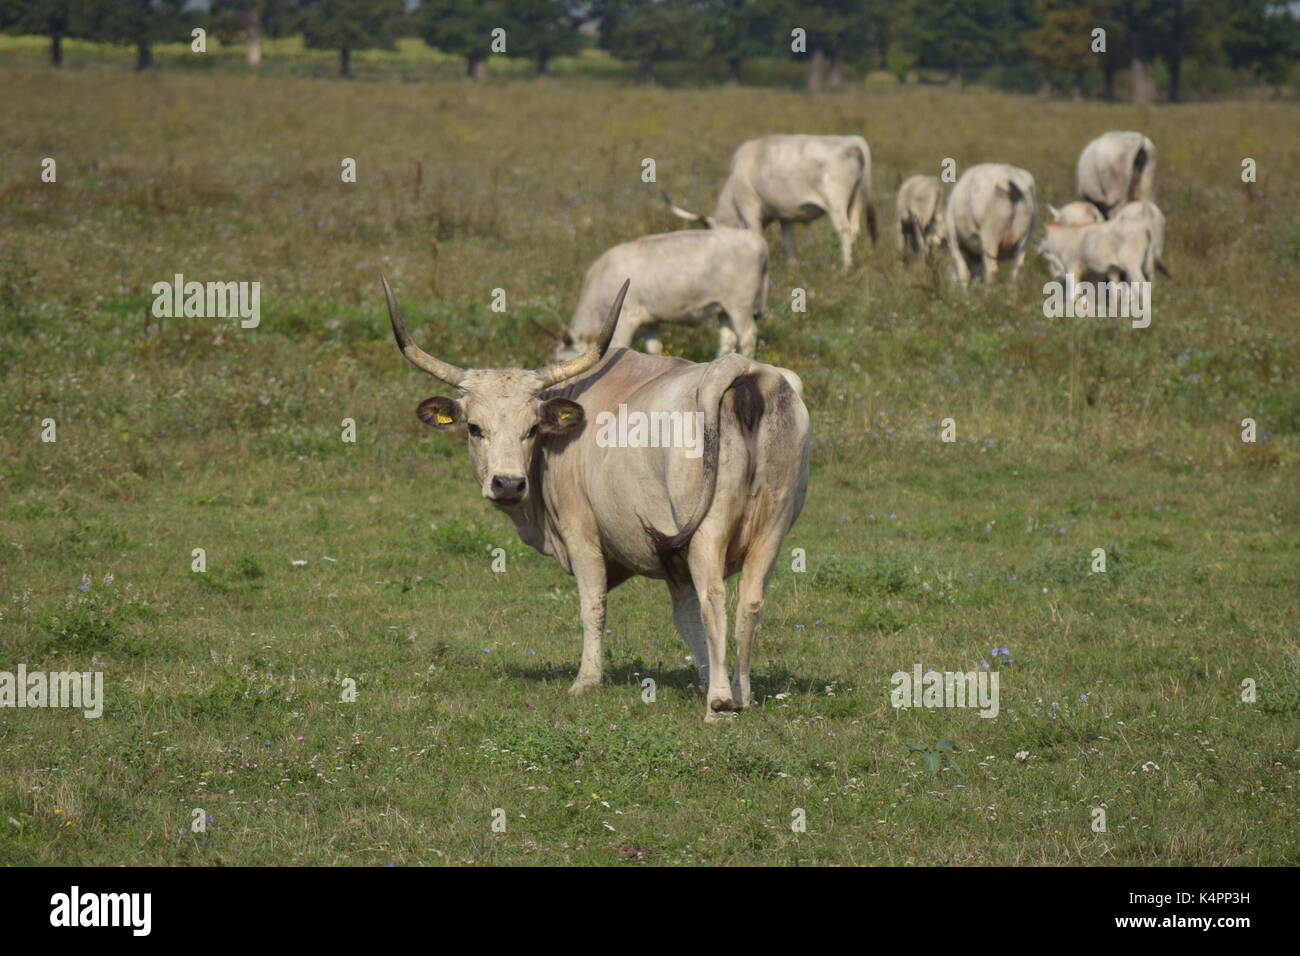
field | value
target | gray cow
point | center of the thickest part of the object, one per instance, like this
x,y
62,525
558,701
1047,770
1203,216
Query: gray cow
x,y
618,464
989,217
687,277
792,179
1116,168
920,216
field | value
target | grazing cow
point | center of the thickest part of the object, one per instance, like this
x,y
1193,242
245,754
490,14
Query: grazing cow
x,y
1114,248
989,217
920,216
709,489
1149,213
790,179
681,277
1076,213
1115,168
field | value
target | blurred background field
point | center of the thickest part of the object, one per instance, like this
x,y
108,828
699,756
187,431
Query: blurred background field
x,y
1122,690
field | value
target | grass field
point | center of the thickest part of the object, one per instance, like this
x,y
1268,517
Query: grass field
x,y
1123,689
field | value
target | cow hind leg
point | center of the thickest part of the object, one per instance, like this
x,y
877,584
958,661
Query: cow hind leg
x,y
960,266
711,591
686,615
744,329
759,564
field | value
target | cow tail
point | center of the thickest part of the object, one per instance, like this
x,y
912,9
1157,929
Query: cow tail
x,y
721,376
762,288
862,199
1148,260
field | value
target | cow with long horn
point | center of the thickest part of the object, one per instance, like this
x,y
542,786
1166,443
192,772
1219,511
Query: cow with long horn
x,y
617,464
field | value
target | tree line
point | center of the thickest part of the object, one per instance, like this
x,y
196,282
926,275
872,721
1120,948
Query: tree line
x,y
1073,45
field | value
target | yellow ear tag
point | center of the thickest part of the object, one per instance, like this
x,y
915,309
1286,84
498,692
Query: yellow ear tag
x,y
444,419
565,414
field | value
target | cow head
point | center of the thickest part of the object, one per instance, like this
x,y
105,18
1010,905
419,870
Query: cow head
x,y
502,409
1059,247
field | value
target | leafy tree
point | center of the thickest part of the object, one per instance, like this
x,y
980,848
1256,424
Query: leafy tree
x,y
542,29
957,34
740,30
1263,36
464,28
138,23
252,20
348,25
51,18
1180,29
1063,43
647,32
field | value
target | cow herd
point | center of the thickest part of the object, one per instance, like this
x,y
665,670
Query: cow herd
x,y
648,499
1113,230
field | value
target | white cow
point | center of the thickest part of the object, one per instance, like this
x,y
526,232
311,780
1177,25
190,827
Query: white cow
x,y
990,215
790,179
1076,213
1149,213
687,277
920,216
709,490
1115,168
1114,249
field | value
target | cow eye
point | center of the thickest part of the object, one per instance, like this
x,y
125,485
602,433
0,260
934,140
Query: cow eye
x,y
475,431
532,432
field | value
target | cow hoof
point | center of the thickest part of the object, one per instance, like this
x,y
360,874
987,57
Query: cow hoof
x,y
717,717
582,686
721,703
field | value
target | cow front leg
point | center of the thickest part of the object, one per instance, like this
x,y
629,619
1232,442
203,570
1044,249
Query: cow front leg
x,y
787,239
592,593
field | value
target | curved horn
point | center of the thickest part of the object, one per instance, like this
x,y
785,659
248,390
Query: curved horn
x,y
678,211
450,374
559,371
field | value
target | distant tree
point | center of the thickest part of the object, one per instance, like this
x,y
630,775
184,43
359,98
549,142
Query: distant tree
x,y
957,34
1180,29
464,28
543,29
51,18
252,20
349,25
648,32
836,31
1263,36
740,30
889,24
1063,43
138,23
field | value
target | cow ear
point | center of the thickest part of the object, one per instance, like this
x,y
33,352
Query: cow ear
x,y
440,412
559,416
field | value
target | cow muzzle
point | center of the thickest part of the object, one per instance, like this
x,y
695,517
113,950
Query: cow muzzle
x,y
506,489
